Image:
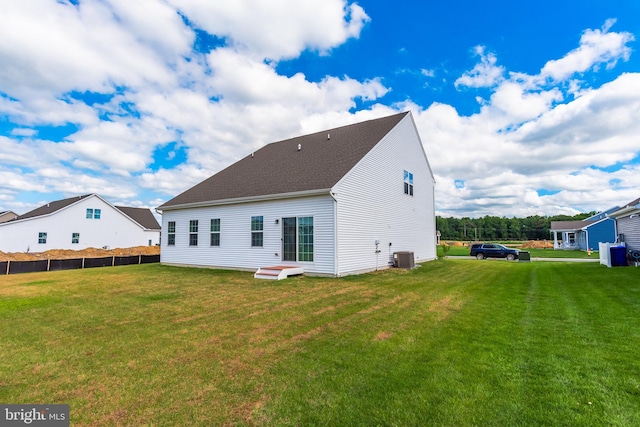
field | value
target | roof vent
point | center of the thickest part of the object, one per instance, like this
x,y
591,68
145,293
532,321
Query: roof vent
x,y
328,136
252,155
299,147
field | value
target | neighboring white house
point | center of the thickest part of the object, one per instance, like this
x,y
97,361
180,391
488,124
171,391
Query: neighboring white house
x,y
78,223
335,202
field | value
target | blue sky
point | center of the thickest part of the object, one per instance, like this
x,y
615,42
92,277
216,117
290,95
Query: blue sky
x,y
523,109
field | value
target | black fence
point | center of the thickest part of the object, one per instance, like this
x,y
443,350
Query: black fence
x,y
15,267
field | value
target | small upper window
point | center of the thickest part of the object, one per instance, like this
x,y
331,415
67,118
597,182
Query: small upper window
x,y
408,183
42,238
93,213
75,238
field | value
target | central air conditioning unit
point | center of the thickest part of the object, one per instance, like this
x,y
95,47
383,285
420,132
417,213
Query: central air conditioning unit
x,y
403,260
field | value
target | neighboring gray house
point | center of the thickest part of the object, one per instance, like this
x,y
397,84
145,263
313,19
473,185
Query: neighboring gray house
x,y
7,216
584,235
335,202
78,223
628,224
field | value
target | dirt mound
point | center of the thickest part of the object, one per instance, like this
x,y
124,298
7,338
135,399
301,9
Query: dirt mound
x,y
84,253
538,244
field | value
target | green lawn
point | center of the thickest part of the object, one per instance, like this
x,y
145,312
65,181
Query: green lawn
x,y
452,343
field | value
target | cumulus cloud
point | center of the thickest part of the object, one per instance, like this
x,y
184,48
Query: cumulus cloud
x,y
597,47
127,77
485,74
154,88
531,136
277,29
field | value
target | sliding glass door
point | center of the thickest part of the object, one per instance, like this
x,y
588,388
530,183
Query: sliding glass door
x,y
297,239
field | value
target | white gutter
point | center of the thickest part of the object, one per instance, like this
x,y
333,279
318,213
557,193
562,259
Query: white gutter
x,y
624,211
248,199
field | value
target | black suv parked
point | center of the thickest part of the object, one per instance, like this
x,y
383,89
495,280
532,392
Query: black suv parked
x,y
493,250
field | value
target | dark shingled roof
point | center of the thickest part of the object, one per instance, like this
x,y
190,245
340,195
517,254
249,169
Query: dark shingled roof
x,y
52,207
278,168
633,203
142,216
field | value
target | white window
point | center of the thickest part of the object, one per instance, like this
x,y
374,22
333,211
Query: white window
x,y
93,213
75,238
193,232
257,227
408,183
215,232
171,233
42,238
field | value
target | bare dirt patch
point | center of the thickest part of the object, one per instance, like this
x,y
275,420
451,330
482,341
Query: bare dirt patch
x,y
84,253
537,244
444,307
382,336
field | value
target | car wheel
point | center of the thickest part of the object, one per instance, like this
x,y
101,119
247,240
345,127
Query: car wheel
x,y
480,256
511,257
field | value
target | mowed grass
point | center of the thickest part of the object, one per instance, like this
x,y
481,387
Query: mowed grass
x,y
450,343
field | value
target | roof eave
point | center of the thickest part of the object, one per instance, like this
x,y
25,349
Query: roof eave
x,y
249,199
625,211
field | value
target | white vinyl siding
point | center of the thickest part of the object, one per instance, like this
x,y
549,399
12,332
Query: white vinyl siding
x,y
236,234
373,207
630,227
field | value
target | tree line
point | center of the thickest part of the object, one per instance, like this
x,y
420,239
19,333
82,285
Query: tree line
x,y
501,228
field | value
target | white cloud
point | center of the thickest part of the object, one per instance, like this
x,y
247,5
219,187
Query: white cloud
x,y
528,137
55,47
277,29
484,74
549,130
596,47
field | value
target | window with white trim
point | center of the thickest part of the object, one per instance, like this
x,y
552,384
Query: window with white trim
x,y
93,213
42,238
193,232
215,232
75,238
257,228
171,233
408,183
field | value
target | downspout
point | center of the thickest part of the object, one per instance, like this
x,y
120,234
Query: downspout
x,y
586,234
335,234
